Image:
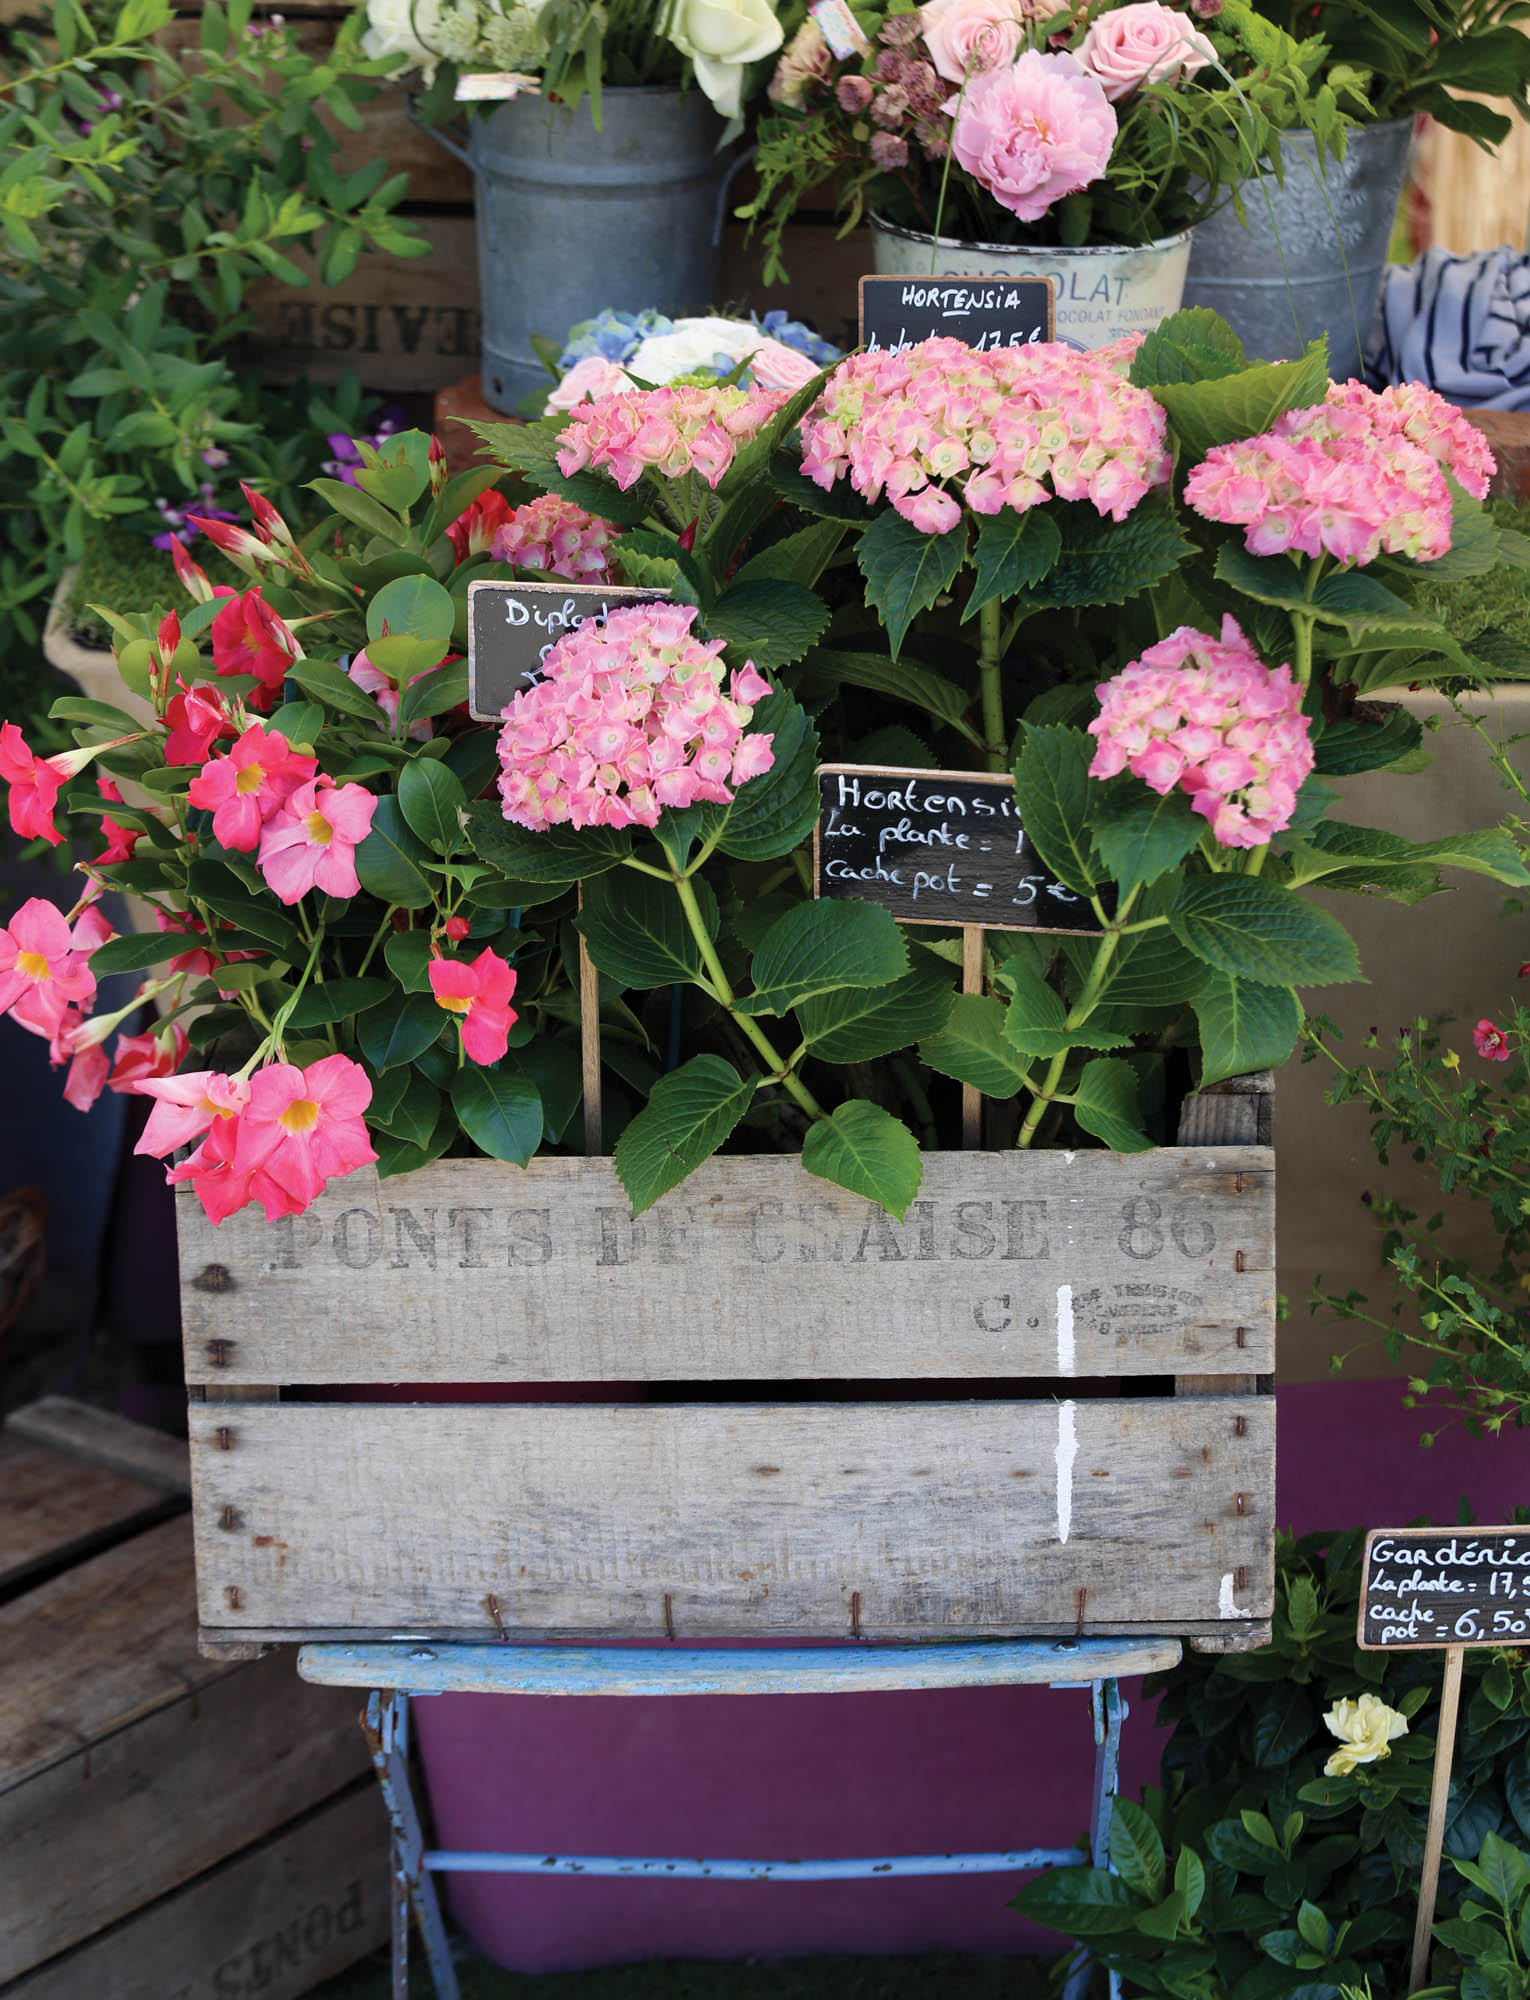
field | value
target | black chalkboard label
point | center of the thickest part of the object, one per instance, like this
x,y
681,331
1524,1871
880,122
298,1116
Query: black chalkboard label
x,y
512,627
936,847
1445,1587
985,312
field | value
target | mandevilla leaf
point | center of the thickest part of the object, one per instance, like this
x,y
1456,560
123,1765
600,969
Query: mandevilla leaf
x,y
431,799
388,860
501,1113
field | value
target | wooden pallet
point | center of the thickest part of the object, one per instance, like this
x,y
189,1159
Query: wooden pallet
x,y
163,1817
799,1464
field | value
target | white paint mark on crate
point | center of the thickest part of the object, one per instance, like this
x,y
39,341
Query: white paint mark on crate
x,y
1065,1329
1226,1608
1067,1451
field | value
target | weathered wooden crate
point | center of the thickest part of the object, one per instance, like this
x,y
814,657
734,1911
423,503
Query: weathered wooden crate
x,y
1039,1405
171,1828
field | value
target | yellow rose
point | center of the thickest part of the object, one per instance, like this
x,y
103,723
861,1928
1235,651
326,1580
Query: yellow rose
x,y
721,37
1366,1729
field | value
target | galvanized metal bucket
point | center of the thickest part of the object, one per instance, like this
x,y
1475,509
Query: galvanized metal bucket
x,y
1310,257
1102,291
571,219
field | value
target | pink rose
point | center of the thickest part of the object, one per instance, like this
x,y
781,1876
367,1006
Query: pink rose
x,y
1143,43
774,365
1035,132
966,37
587,381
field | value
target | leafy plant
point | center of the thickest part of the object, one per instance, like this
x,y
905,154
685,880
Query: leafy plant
x,y
1255,1876
141,191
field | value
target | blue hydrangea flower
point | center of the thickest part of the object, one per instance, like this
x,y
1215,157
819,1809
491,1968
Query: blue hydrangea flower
x,y
792,333
612,335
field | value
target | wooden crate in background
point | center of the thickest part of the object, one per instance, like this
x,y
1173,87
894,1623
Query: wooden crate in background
x,y
171,1828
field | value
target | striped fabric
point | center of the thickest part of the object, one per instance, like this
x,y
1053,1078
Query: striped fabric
x,y
1460,324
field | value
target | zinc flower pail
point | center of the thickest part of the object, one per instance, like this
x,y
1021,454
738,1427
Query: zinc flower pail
x,y
571,219
1102,290
1308,257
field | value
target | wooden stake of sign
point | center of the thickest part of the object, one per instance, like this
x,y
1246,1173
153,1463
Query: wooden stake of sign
x,y
1439,1798
1451,1588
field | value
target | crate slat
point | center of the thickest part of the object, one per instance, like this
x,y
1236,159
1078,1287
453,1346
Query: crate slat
x,y
1046,1265
130,1764
893,1520
285,1914
46,1519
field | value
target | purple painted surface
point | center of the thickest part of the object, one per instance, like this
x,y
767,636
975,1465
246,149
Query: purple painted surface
x,y
787,1776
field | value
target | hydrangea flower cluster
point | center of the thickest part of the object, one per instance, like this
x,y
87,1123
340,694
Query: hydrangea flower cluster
x,y
1354,477
940,425
1208,716
627,350
674,431
553,535
629,717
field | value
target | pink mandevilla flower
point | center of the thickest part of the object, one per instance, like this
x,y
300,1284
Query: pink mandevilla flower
x,y
629,717
939,426
1034,132
197,718
247,637
551,534
248,786
478,992
671,430
44,966
303,1127
311,842
1208,716
1357,476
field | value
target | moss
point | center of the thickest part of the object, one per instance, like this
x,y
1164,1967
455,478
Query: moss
x,y
1500,599
122,568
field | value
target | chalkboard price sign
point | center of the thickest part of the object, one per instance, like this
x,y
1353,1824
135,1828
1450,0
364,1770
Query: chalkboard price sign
x,y
898,312
1445,1587
937,847
512,627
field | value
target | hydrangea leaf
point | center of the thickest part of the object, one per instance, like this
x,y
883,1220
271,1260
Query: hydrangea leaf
x,y
560,854
820,946
637,933
1052,790
688,1115
857,1023
1106,1103
1245,1025
973,1048
869,1152
906,571
1256,929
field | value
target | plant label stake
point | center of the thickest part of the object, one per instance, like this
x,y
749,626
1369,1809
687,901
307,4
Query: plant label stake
x,y
1449,1587
512,627
898,312
939,847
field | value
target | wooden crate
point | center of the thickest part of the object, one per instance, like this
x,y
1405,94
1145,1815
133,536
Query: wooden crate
x,y
1039,1405
164,1819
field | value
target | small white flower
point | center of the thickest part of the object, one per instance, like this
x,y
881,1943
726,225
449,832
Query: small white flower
x,y
1366,1730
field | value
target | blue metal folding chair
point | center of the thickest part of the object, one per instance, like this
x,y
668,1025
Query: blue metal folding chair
x,y
395,1674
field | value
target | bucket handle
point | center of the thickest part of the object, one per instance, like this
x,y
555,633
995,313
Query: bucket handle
x,y
443,137
739,160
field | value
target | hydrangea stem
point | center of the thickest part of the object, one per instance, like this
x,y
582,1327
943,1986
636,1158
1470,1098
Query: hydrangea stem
x,y
990,657
1078,1014
780,1072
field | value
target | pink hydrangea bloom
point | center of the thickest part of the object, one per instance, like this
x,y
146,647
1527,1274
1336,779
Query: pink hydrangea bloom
x,y
1208,716
1353,477
1034,132
1143,42
553,535
1422,417
939,425
249,786
311,842
478,992
629,717
671,430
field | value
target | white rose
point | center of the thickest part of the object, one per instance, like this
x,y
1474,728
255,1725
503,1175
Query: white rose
x,y
404,29
721,37
693,343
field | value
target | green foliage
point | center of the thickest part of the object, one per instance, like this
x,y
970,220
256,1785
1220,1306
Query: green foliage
x,y
1255,1876
141,191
